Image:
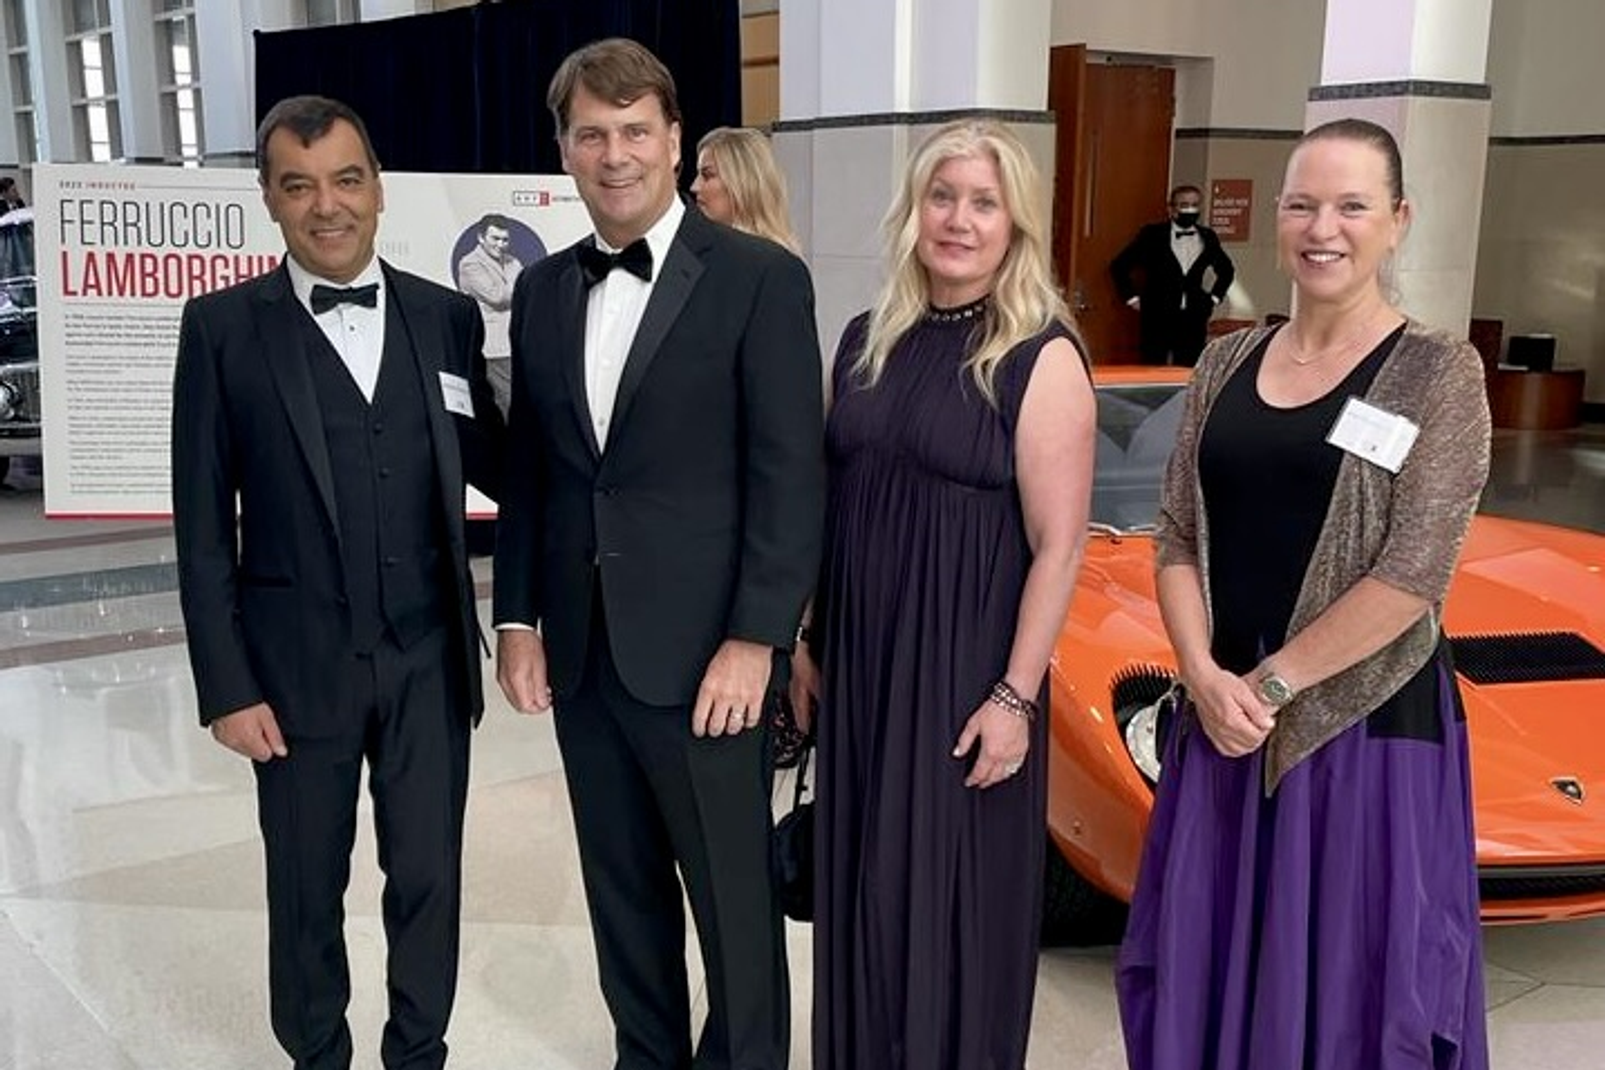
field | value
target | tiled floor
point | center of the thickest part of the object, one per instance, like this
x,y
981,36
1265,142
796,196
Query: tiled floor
x,y
131,921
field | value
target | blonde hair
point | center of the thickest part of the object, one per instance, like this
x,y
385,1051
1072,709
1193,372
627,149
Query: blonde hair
x,y
1024,299
757,189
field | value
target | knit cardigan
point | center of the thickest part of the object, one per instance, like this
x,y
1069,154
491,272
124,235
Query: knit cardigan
x,y
1404,530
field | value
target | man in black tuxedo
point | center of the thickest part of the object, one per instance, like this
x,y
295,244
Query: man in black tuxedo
x,y
341,403
661,527
1165,274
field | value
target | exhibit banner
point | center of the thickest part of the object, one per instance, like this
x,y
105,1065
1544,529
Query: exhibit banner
x,y
119,250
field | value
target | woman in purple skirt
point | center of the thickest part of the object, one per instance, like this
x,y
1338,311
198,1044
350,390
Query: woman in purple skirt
x,y
1308,896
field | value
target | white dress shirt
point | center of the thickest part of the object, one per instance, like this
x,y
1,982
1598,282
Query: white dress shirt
x,y
613,313
1187,248
357,333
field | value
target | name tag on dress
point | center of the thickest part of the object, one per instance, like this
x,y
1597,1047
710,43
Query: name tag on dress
x,y
1372,434
458,397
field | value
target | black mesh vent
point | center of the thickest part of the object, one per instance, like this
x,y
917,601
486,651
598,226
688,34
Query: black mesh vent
x,y
1139,685
1527,658
1503,883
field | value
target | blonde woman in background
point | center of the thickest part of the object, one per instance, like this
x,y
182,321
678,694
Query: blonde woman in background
x,y
739,184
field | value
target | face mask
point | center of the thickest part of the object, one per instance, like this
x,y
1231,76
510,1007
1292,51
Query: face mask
x,y
1186,219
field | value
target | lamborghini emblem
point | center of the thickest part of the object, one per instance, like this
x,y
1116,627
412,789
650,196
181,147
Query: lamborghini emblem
x,y
1570,787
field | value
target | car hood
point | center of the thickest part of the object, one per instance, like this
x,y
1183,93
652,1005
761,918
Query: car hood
x,y
1517,579
1115,611
1513,578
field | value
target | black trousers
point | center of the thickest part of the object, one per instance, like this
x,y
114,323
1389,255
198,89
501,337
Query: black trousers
x,y
652,805
1176,337
406,721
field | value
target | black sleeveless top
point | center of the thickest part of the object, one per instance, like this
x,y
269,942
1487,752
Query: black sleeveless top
x,y
1268,475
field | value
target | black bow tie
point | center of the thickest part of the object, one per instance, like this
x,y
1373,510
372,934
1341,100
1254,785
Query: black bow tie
x,y
326,297
1186,233
636,258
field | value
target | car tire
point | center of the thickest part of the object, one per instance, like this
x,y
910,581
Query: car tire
x,y
1074,912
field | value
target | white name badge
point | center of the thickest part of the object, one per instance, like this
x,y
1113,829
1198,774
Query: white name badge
x,y
458,397
1373,434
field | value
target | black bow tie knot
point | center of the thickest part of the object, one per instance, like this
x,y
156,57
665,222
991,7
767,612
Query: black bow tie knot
x,y
326,297
636,258
1188,233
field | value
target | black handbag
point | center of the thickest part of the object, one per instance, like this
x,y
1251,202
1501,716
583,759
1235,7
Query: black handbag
x,y
793,846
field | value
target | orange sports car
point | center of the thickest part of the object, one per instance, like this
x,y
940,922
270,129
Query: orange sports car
x,y
1526,620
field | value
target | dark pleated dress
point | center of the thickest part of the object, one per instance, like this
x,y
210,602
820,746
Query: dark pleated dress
x,y
928,892
1334,925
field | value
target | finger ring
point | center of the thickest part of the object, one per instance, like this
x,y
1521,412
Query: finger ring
x,y
1011,769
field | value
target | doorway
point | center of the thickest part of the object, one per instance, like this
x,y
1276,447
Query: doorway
x,y
1112,162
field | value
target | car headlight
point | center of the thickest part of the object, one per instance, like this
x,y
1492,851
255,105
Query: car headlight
x,y
1144,699
10,399
1143,739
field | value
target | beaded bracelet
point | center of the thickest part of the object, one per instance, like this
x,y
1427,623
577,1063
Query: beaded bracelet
x,y
1003,694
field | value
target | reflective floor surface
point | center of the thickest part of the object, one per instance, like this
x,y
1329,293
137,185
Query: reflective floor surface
x,y
131,918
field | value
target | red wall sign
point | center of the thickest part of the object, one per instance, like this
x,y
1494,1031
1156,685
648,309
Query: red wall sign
x,y
1231,208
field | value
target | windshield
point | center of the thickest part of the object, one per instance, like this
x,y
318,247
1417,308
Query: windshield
x,y
1137,424
16,268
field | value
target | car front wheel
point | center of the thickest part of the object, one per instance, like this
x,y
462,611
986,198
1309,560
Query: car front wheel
x,y
1074,912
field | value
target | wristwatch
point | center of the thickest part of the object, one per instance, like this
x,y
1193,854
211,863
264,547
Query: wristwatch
x,y
1274,690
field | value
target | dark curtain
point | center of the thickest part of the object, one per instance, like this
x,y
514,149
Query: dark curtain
x,y
465,90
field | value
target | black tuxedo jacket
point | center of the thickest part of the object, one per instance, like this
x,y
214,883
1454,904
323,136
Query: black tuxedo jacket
x,y
1147,268
702,518
264,599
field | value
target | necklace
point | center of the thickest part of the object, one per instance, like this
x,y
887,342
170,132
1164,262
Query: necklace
x,y
959,313
1303,359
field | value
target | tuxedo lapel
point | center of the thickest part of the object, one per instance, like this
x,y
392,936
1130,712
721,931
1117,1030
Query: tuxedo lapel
x,y
287,359
678,278
1203,262
572,296
424,336
1165,252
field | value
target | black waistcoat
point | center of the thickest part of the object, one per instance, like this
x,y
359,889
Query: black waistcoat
x,y
392,537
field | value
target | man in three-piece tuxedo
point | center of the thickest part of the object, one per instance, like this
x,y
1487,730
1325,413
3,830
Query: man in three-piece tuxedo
x,y
340,403
661,528
1174,274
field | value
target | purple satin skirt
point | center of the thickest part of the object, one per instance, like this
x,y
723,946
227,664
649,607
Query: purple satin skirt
x,y
1333,926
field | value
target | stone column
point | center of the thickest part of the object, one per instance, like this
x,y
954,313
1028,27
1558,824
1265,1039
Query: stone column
x,y
862,84
1418,67
139,104
226,45
373,10
52,100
